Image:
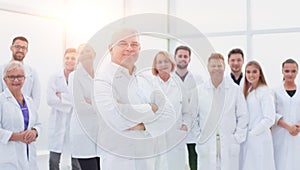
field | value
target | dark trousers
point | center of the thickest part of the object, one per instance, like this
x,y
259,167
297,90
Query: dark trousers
x,y
90,163
192,155
54,161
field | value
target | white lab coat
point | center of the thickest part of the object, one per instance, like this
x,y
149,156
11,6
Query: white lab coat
x,y
174,91
31,86
286,146
13,155
84,127
241,83
190,82
60,116
257,151
122,101
232,126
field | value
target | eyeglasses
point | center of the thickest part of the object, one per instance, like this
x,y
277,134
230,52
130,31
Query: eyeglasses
x,y
18,77
18,47
123,44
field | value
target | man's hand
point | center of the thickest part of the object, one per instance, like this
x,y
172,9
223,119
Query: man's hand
x,y
153,107
184,127
58,94
88,101
139,126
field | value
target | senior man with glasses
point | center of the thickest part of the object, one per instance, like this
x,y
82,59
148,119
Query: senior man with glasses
x,y
31,87
135,116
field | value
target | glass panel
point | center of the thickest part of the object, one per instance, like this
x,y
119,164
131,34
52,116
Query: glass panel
x,y
269,14
149,48
212,16
45,51
271,50
138,7
224,44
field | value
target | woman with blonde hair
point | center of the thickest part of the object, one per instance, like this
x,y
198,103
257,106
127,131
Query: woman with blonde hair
x,y
257,151
163,70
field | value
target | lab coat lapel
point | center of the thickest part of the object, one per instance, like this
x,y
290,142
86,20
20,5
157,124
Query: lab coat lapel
x,y
10,97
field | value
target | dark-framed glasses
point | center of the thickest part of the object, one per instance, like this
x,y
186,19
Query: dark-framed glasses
x,y
18,77
18,47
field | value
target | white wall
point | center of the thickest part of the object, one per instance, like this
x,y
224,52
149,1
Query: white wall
x,y
267,31
273,49
83,19
51,26
45,51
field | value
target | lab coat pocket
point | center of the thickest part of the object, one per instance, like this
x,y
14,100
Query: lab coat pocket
x,y
7,154
256,144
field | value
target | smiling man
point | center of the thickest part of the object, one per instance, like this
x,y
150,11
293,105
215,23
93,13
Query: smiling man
x,y
236,61
133,113
31,87
190,81
58,98
223,121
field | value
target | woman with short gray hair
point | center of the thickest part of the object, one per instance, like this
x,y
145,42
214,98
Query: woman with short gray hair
x,y
19,123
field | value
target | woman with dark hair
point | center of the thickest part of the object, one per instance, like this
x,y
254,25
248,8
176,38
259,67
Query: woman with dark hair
x,y
257,151
287,126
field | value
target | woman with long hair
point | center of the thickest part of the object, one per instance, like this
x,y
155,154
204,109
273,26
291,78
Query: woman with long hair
x,y
257,151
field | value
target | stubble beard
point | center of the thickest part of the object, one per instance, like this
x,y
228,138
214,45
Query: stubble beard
x,y
182,67
18,58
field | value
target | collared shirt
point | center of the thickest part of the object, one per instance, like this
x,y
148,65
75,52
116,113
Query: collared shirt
x,y
238,81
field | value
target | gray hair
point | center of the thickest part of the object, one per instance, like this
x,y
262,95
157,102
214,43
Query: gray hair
x,y
122,34
13,65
